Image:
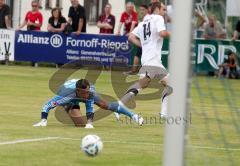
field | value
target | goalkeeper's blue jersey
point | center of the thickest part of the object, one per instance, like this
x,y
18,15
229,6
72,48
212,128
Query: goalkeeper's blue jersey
x,y
67,95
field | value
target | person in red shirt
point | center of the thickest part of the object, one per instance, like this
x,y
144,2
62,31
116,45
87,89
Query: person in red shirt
x,y
129,18
106,21
143,10
33,19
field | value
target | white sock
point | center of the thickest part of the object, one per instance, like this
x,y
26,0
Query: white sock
x,y
164,106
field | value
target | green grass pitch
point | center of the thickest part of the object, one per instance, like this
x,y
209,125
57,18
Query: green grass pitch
x,y
213,136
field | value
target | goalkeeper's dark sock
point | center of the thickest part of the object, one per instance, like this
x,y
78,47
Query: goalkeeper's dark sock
x,y
44,115
90,117
131,93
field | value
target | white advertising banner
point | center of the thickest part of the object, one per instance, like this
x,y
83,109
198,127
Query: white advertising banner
x,y
7,41
233,8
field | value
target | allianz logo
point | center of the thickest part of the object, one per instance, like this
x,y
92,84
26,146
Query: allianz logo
x,y
55,40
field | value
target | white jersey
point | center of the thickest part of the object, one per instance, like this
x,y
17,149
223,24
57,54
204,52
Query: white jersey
x,y
148,32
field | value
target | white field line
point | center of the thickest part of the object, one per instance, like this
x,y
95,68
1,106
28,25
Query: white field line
x,y
28,140
117,142
156,144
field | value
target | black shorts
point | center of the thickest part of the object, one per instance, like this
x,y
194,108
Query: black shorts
x,y
139,52
69,107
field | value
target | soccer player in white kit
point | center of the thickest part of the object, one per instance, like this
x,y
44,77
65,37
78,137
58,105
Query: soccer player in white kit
x,y
149,35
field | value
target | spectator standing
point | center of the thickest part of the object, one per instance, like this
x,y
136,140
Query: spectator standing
x,y
143,9
33,19
198,24
150,5
77,18
106,21
5,22
129,18
137,57
214,29
56,22
236,35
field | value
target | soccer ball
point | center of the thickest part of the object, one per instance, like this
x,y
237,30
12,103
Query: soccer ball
x,y
91,145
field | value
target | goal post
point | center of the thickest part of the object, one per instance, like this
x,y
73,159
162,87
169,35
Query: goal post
x,y
179,65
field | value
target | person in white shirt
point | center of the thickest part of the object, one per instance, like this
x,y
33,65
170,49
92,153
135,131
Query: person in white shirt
x,y
149,35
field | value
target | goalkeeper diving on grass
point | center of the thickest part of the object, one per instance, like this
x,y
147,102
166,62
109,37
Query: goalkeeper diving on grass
x,y
74,91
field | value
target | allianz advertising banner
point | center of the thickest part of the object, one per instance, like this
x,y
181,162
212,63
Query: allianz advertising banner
x,y
106,49
59,48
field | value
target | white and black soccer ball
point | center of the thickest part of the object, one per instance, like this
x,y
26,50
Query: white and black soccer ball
x,y
91,145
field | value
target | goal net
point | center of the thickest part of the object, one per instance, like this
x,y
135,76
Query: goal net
x,y
206,89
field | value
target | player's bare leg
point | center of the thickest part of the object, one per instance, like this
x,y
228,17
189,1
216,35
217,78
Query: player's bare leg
x,y
128,98
168,90
135,89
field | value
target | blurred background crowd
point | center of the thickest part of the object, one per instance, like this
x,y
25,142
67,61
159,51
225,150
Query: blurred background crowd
x,y
212,19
